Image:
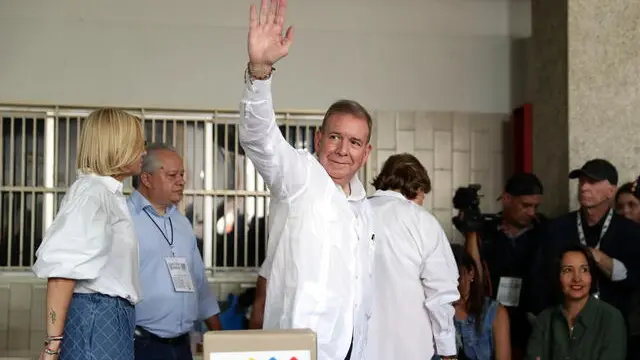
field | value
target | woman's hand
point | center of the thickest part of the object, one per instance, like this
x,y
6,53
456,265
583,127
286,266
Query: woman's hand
x,y
51,350
45,356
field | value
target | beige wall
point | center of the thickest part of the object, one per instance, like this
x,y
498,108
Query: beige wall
x,y
585,57
403,54
456,148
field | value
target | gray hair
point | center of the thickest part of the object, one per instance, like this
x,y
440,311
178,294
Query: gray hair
x,y
150,161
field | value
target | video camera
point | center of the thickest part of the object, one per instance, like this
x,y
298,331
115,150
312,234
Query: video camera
x,y
467,201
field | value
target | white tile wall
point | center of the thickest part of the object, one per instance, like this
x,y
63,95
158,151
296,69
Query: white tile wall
x,y
455,148
23,302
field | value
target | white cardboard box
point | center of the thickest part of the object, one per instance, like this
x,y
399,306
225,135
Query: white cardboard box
x,y
298,344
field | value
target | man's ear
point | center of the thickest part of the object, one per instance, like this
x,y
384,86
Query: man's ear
x,y
317,137
145,179
507,199
367,152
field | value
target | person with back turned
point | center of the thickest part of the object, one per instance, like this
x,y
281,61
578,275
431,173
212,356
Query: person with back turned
x,y
320,260
415,272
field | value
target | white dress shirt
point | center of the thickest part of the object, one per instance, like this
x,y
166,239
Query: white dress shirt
x,y
319,265
416,280
92,240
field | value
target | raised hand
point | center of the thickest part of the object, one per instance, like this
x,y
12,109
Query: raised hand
x,y
266,44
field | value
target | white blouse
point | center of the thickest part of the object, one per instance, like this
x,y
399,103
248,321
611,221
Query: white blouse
x,y
92,241
416,282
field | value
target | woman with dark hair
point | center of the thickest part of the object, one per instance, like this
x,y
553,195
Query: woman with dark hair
x,y
482,325
627,204
628,200
581,326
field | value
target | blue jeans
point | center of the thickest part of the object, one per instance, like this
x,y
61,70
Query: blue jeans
x,y
98,327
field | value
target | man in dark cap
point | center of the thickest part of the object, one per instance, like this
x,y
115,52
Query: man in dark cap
x,y
506,252
613,240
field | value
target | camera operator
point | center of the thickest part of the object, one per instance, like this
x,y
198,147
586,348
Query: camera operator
x,y
506,248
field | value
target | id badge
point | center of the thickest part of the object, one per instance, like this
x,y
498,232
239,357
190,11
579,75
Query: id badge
x,y
509,291
180,274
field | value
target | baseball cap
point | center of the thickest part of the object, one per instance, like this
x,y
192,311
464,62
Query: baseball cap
x,y
522,183
597,169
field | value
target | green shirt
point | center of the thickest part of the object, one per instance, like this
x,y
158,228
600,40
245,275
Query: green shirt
x,y
599,333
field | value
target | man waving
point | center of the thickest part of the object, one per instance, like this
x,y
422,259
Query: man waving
x,y
319,261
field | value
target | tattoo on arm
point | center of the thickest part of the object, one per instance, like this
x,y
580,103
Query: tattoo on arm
x,y
52,316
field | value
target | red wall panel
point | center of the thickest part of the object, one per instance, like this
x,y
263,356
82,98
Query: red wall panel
x,y
523,138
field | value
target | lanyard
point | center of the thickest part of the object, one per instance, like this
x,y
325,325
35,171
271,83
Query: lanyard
x,y
170,242
605,227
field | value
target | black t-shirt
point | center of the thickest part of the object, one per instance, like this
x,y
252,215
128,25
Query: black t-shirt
x,y
517,257
592,233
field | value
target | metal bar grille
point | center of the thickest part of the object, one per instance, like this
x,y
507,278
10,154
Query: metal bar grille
x,y
225,199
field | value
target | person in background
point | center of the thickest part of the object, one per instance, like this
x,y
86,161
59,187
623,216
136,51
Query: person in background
x,y
627,204
276,228
581,326
611,238
507,251
482,324
177,293
415,272
628,201
257,308
319,276
89,255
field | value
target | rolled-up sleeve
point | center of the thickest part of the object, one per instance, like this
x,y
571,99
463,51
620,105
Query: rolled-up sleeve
x,y
439,275
283,168
618,271
76,245
207,302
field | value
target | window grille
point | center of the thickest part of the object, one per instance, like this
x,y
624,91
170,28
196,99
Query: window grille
x,y
225,199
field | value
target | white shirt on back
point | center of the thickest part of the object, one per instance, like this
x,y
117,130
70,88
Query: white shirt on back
x,y
319,263
416,282
92,240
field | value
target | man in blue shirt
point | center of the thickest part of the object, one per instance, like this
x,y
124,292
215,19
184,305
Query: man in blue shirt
x,y
175,291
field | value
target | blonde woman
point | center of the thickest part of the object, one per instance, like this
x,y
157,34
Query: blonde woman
x,y
89,255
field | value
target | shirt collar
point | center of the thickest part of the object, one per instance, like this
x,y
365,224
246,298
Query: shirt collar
x,y
390,193
586,316
141,203
110,182
597,225
358,191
